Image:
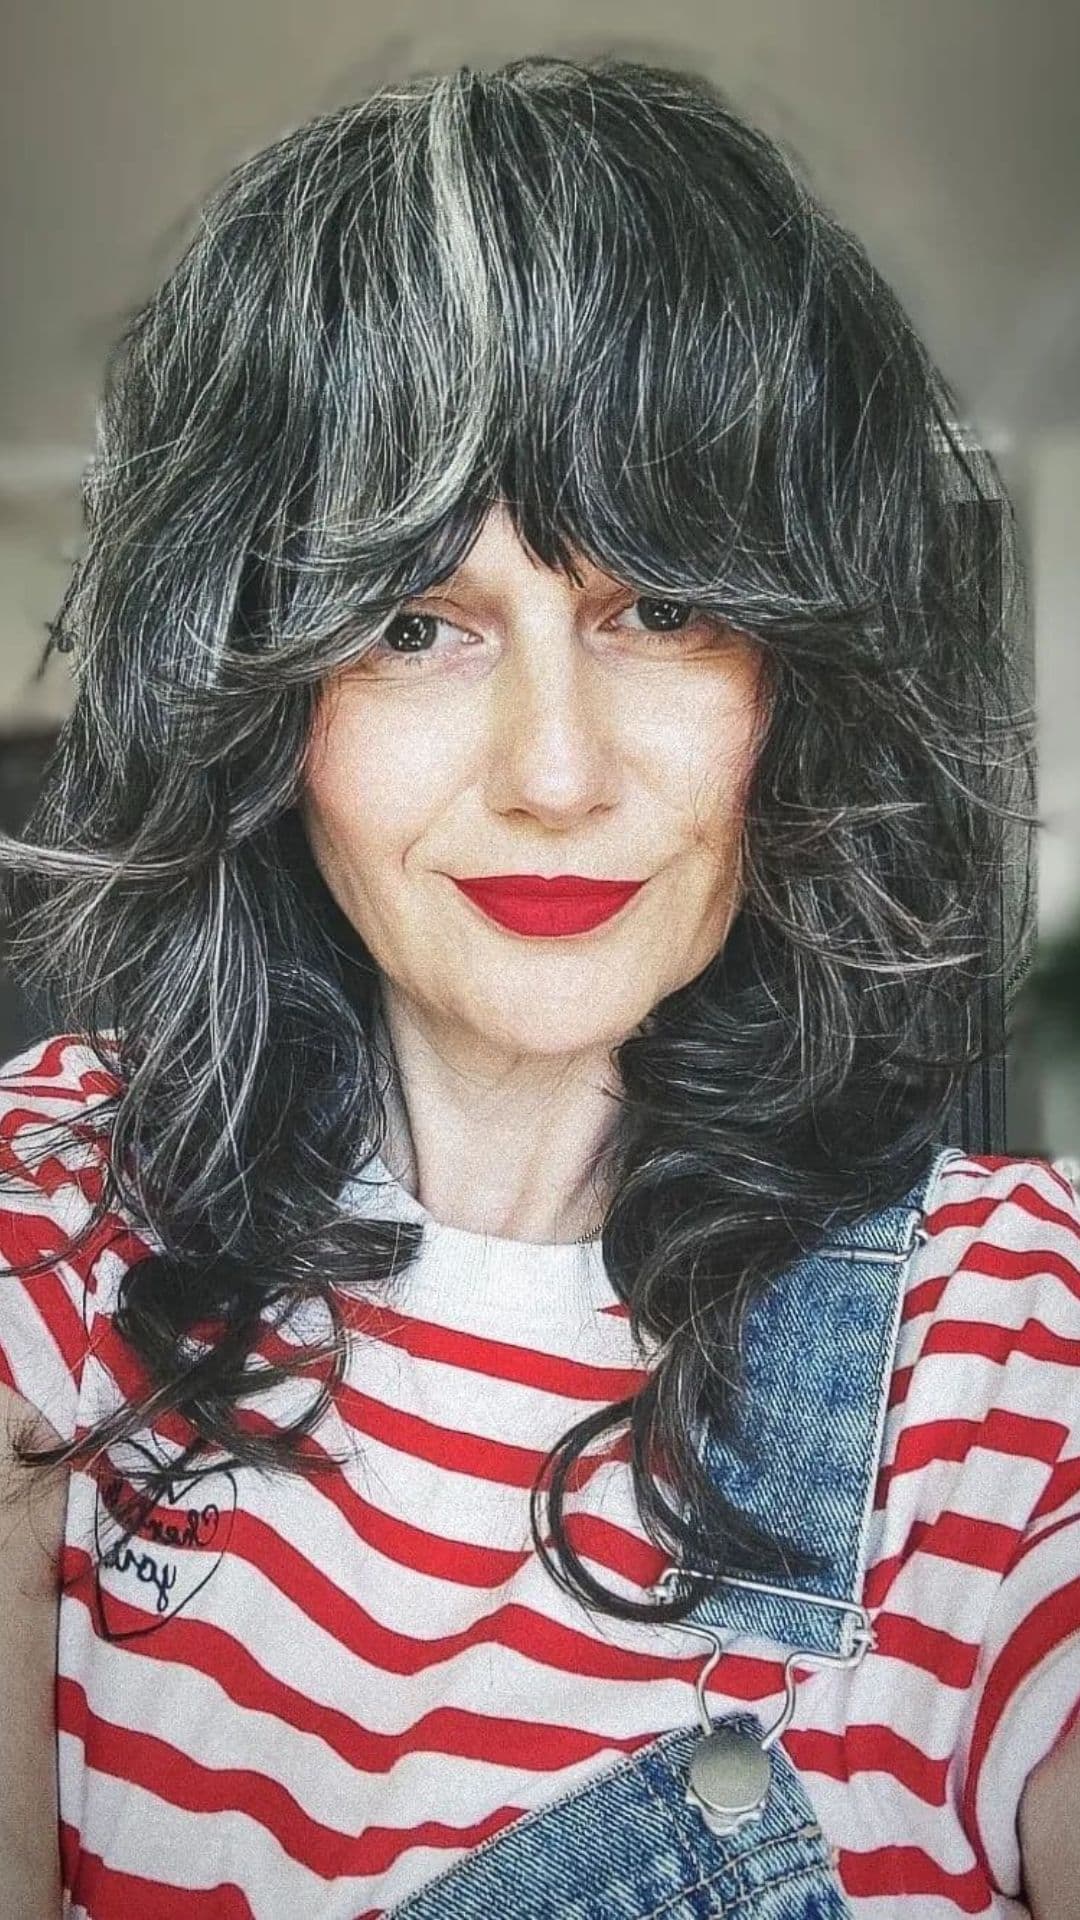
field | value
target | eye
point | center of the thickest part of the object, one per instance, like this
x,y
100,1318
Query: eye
x,y
408,639
673,617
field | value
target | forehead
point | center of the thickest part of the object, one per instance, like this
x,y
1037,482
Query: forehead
x,y
497,555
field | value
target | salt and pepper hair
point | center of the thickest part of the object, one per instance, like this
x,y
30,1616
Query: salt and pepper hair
x,y
591,291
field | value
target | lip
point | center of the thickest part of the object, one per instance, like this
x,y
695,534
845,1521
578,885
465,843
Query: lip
x,y
530,903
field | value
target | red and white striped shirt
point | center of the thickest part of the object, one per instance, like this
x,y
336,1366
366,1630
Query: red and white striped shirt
x,y
318,1693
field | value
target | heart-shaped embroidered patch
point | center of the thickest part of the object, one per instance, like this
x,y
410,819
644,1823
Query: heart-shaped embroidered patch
x,y
151,1562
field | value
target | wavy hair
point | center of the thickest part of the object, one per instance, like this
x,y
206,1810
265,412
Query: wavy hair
x,y
590,290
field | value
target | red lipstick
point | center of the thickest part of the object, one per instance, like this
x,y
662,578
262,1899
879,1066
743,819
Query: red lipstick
x,y
529,903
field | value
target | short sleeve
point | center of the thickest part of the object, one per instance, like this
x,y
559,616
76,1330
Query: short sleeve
x,y
51,1169
1025,1693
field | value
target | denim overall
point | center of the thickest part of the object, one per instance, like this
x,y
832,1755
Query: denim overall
x,y
712,1819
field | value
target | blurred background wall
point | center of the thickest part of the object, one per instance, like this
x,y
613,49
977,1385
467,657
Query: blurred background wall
x,y
944,132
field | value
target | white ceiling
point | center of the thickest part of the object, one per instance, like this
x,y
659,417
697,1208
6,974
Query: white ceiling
x,y
945,132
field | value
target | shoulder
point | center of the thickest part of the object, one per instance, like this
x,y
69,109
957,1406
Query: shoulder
x,y
981,1179
68,1069
1000,1230
982,1428
985,1396
983,1480
55,1098
64,1245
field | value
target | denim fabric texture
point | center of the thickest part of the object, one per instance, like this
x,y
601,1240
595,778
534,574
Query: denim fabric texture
x,y
819,1348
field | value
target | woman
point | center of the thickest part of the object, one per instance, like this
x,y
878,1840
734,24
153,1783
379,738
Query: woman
x,y
546,1425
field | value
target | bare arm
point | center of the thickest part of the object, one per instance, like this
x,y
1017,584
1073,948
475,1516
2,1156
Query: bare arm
x,y
1048,1824
31,1538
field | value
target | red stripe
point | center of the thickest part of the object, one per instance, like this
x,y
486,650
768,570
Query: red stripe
x,y
462,1562
129,1376
29,1233
614,1548
986,1544
898,1386
990,1341
950,1660
54,1308
438,1556
953,1535
150,1763
1020,1435
992,1261
922,1445
107,1894
886,1872
552,1374
870,1747
974,1210
924,1298
556,1374
1051,1621
481,1458
47,1095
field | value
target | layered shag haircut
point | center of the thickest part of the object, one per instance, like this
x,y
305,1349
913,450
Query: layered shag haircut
x,y
589,290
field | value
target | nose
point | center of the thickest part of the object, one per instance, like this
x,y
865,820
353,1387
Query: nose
x,y
551,747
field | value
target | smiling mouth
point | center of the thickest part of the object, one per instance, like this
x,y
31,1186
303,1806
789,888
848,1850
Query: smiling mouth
x,y
530,904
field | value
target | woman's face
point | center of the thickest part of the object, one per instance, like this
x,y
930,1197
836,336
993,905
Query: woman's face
x,y
522,725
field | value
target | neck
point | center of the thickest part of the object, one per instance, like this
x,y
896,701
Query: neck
x,y
515,1153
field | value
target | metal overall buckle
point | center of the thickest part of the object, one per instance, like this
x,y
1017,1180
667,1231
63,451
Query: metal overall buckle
x,y
730,1770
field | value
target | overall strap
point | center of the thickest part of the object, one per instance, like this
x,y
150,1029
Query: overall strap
x,y
803,1451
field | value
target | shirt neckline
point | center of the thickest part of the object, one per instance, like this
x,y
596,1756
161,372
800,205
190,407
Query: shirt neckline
x,y
392,1196
475,1275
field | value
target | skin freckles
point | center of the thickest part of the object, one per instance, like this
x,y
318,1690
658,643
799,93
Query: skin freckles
x,y
546,729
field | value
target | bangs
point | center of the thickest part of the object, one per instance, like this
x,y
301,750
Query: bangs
x,y
492,289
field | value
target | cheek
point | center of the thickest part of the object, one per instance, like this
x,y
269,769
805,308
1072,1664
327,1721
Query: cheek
x,y
368,790
723,748
340,793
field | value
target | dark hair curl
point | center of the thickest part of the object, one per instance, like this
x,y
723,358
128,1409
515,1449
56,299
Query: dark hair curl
x,y
590,290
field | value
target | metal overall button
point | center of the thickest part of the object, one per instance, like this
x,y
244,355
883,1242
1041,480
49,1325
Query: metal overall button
x,y
730,1770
